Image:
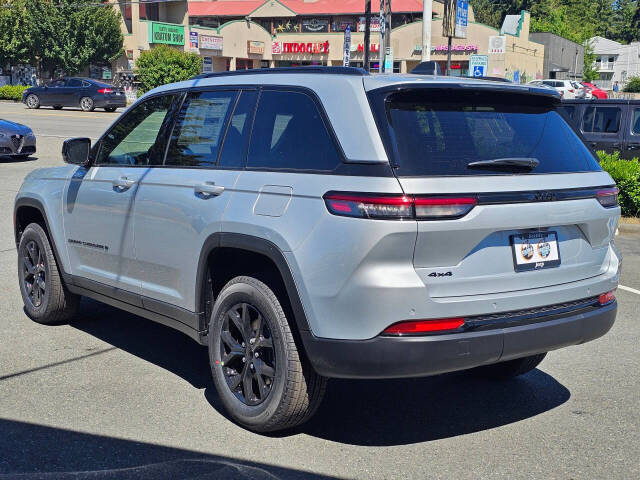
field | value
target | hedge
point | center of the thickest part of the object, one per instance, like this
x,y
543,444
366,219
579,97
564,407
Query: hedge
x,y
626,174
12,92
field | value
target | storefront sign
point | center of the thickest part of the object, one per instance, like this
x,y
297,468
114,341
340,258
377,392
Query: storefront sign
x,y
454,48
254,47
374,23
373,47
193,39
208,42
278,48
167,33
207,65
462,13
315,25
497,44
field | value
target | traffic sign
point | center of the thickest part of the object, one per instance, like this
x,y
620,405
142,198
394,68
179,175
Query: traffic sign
x,y
478,71
478,65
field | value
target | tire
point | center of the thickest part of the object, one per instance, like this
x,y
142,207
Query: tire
x,y
33,101
110,109
510,368
57,107
47,301
294,390
86,104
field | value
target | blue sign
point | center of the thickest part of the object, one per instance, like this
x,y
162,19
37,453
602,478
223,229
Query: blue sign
x,y
462,14
347,46
478,71
516,76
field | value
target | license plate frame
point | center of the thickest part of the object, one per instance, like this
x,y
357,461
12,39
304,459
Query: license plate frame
x,y
537,243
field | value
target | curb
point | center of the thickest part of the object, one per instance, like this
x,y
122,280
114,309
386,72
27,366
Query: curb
x,y
629,227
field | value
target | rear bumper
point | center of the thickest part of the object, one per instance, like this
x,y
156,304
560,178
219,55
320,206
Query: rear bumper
x,y
396,357
102,100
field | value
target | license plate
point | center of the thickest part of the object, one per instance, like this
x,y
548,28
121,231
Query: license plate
x,y
535,251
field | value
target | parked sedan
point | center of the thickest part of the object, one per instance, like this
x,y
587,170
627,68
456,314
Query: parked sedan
x,y
85,93
596,91
564,87
16,140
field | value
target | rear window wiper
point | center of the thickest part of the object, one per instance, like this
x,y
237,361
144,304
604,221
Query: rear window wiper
x,y
512,162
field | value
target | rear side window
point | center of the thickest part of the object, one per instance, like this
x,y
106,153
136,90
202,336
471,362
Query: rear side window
x,y
601,119
635,124
289,133
439,133
234,149
199,129
74,82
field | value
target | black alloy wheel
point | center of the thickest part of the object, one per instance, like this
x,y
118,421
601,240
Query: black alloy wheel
x,y
34,273
247,353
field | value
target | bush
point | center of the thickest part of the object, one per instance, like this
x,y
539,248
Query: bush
x,y
633,85
12,92
164,64
626,174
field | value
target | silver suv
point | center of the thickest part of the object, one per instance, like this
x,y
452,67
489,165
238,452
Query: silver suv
x,y
321,222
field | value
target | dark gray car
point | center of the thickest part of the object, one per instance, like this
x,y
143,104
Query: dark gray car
x,y
16,140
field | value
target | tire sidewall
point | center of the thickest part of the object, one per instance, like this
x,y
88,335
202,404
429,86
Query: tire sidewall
x,y
91,107
31,233
37,101
258,415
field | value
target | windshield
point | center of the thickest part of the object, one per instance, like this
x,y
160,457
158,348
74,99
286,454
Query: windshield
x,y
441,132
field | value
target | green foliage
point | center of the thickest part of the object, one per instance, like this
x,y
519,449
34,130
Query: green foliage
x,y
12,92
589,72
626,174
633,85
164,64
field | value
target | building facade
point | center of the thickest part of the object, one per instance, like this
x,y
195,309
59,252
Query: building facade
x,y
615,62
563,59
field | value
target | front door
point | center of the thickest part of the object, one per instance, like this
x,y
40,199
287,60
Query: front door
x,y
98,202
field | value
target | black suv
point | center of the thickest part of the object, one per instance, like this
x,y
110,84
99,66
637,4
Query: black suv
x,y
85,93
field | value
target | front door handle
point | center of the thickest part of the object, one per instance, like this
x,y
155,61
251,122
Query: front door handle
x,y
123,183
633,147
208,189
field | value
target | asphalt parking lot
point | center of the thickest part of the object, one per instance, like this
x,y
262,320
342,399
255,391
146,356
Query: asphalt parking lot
x,y
113,396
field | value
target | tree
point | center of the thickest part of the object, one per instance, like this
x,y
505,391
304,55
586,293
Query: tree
x,y
15,45
164,64
633,85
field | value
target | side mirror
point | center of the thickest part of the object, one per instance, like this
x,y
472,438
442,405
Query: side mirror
x,y
76,151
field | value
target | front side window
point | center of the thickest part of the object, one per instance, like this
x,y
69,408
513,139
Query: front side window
x,y
131,141
289,133
635,124
200,128
601,120
74,82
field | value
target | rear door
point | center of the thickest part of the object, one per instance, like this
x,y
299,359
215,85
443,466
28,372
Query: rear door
x,y
602,126
505,190
632,145
70,92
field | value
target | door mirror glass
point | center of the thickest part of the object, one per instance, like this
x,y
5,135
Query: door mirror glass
x,y
76,151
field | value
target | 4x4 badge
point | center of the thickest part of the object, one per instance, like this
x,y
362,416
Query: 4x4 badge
x,y
441,274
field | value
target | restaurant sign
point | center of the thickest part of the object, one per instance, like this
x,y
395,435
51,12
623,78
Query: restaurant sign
x,y
315,25
209,42
278,48
454,48
254,47
168,33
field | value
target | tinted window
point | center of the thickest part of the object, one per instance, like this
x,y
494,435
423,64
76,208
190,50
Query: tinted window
x,y
56,83
200,128
601,119
440,133
289,132
568,110
131,140
635,124
74,82
234,149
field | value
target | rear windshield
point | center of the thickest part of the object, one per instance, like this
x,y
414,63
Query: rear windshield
x,y
438,133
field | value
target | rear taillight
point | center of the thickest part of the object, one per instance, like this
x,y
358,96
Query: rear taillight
x,y
398,207
105,90
607,298
608,197
414,327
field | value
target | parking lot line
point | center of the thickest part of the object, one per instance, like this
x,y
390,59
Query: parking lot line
x,y
629,289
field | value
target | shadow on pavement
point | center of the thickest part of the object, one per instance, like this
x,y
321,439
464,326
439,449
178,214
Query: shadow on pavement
x,y
7,159
357,412
29,451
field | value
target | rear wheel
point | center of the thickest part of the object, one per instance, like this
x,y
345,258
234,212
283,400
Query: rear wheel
x,y
86,104
510,368
46,299
33,101
262,379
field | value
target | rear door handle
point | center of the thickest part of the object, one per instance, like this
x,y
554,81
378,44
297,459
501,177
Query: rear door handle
x,y
633,147
123,183
208,189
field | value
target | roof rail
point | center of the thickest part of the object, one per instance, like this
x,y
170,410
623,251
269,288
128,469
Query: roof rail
x,y
280,70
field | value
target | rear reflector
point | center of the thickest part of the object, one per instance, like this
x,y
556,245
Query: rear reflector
x,y
606,298
424,326
398,207
608,197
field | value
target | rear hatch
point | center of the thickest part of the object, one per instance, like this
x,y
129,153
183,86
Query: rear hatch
x,y
512,199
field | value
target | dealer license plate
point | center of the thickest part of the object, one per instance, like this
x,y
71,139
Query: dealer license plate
x,y
535,251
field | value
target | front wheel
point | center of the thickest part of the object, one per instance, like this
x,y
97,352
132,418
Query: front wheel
x,y
33,101
510,368
263,381
86,104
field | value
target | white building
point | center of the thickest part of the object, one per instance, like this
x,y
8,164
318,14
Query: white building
x,y
615,62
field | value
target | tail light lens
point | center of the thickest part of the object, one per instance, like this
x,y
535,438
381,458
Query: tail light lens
x,y
414,327
606,298
608,198
398,207
105,90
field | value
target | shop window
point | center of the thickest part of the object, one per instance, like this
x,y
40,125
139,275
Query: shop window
x,y
149,11
125,11
601,120
199,129
289,133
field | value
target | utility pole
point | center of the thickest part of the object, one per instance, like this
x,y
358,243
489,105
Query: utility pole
x,y
367,33
427,14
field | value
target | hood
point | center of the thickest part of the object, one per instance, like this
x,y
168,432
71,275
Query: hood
x,y
9,127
